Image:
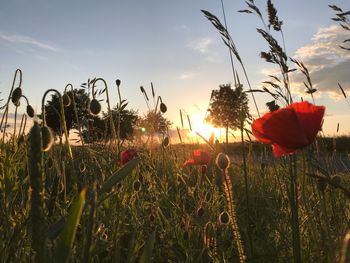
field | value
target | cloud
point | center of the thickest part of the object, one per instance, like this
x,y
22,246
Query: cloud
x,y
201,44
187,75
22,39
327,63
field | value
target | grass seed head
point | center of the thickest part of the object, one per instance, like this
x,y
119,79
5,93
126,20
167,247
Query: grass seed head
x,y
16,95
95,107
47,138
222,161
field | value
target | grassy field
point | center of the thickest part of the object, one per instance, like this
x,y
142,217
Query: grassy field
x,y
160,211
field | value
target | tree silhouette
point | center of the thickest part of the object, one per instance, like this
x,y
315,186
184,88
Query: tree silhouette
x,y
53,109
228,108
99,129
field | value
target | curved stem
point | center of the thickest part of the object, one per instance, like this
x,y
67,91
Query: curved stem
x,y
108,105
63,118
75,111
18,71
22,125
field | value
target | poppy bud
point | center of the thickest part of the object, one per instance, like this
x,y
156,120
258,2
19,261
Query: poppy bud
x,y
66,100
222,161
203,169
95,107
49,163
224,218
118,82
137,186
200,212
30,111
151,218
163,108
208,196
47,138
82,167
165,142
336,180
16,95
322,185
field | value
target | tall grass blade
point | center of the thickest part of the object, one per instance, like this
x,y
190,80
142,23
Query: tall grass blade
x,y
66,240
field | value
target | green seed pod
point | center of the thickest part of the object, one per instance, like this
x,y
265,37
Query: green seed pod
x,y
16,95
163,108
222,161
224,218
336,180
47,138
66,100
30,111
166,142
95,107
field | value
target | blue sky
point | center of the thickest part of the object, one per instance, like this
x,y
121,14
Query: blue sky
x,y
169,43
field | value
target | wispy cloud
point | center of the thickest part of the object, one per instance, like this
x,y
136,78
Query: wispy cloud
x,y
187,75
27,40
201,44
327,62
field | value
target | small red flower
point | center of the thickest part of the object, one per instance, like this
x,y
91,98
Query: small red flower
x,y
290,128
127,155
199,157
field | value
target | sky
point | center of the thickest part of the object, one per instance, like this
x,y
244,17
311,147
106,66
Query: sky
x,y
172,45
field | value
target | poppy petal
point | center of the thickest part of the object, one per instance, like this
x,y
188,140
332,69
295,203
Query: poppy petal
x,y
189,162
279,151
280,127
310,118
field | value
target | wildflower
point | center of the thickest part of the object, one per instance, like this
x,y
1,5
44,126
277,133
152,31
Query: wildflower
x,y
290,128
199,157
128,155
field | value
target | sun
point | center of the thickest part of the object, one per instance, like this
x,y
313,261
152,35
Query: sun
x,y
203,128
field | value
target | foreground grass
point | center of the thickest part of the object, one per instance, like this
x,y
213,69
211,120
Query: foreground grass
x,y
163,212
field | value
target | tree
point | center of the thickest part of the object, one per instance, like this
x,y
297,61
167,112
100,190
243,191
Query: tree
x,y
53,109
228,108
99,129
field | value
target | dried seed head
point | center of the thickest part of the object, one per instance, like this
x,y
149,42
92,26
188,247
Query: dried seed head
x,y
16,95
163,108
47,138
222,161
166,142
95,107
66,100
136,186
224,218
118,82
336,180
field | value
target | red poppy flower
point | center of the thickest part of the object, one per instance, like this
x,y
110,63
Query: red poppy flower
x,y
199,157
127,155
290,128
